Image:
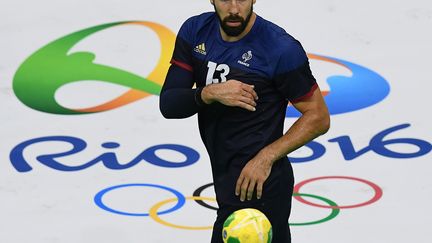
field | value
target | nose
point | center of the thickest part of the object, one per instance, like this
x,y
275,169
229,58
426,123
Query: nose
x,y
233,7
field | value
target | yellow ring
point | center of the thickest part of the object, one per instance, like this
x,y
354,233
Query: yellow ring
x,y
153,214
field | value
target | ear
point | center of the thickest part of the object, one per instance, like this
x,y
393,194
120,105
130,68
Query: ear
x,y
254,1
212,2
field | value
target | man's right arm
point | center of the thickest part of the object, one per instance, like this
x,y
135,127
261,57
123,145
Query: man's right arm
x,y
177,98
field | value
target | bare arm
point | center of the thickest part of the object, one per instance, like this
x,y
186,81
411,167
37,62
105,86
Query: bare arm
x,y
315,121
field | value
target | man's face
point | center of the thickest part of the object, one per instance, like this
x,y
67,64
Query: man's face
x,y
234,15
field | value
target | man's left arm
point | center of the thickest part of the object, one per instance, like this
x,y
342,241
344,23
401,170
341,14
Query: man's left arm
x,y
314,121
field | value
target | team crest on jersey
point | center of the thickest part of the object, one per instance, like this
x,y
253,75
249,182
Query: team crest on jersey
x,y
201,49
247,56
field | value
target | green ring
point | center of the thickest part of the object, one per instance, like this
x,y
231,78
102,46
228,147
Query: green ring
x,y
335,211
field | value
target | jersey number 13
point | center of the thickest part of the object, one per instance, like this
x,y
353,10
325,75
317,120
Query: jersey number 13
x,y
223,69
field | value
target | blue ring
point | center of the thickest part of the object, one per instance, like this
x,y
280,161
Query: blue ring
x,y
98,199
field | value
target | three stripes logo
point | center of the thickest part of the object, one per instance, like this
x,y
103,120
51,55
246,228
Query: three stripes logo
x,y
201,49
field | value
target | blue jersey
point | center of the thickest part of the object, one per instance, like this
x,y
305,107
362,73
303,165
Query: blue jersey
x,y
268,58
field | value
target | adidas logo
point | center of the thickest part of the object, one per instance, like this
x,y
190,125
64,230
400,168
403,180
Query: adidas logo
x,y
201,49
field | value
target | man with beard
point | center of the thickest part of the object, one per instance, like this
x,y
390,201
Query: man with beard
x,y
246,70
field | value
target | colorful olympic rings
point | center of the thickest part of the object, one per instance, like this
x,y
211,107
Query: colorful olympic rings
x,y
333,214
376,188
154,214
98,199
197,193
155,217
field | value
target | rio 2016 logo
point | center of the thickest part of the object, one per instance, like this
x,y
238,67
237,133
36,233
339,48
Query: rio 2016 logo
x,y
45,71
51,67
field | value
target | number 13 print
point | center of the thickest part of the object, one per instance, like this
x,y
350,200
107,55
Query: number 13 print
x,y
212,68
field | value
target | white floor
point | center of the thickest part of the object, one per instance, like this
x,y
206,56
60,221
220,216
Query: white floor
x,y
374,163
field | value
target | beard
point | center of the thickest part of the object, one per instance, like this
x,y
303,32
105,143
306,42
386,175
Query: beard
x,y
234,31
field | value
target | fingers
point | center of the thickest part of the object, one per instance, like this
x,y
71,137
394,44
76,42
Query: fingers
x,y
248,98
245,188
250,89
247,103
250,190
259,190
246,106
247,95
236,93
239,184
253,174
242,187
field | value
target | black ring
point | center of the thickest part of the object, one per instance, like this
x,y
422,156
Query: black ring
x,y
197,193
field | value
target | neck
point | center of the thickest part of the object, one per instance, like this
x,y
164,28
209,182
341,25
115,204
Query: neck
x,y
228,38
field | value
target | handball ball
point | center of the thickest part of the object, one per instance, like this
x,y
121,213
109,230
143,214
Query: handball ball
x,y
247,226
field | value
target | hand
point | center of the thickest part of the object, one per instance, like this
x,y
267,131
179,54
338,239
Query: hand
x,y
231,93
255,173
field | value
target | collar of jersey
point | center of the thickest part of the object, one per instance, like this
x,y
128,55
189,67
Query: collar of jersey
x,y
244,39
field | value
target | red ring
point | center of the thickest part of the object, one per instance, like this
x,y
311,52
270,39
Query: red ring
x,y
377,189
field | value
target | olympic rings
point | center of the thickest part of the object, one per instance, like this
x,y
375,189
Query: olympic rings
x,y
197,193
98,199
181,200
333,214
155,217
376,197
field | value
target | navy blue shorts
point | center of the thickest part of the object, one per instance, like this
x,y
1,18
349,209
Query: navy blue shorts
x,y
277,209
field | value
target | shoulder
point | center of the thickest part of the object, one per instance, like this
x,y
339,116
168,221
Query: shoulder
x,y
284,47
275,35
195,23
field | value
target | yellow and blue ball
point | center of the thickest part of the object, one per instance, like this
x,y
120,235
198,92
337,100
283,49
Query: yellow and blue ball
x,y
247,225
